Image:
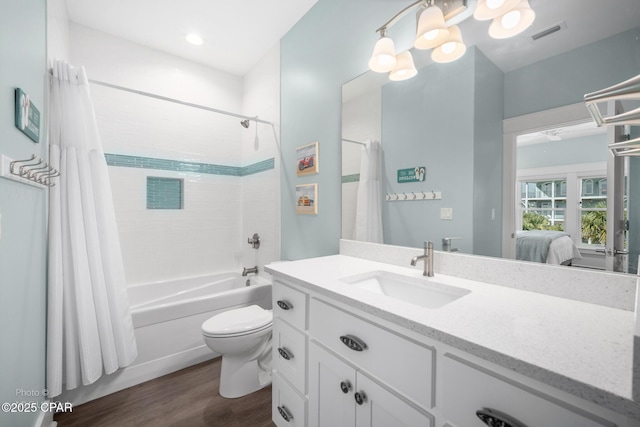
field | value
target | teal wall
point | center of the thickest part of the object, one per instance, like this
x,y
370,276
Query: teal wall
x,y
316,61
23,214
418,129
487,158
328,46
565,78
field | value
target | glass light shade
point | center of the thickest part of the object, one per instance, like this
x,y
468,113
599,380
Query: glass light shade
x,y
404,68
513,22
431,28
489,9
452,48
383,58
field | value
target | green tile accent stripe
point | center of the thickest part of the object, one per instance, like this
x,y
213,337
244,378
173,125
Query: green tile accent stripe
x,y
164,193
350,178
122,160
262,166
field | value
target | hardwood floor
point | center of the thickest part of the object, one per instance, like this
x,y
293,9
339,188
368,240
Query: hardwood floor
x,y
185,398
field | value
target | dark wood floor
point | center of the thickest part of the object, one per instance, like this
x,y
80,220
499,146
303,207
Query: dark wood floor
x,y
185,398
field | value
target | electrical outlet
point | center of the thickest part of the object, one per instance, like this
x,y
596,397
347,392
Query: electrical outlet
x,y
446,213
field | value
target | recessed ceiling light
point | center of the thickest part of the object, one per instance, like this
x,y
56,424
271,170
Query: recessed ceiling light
x,y
194,39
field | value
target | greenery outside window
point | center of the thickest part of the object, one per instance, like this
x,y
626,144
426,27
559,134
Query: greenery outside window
x,y
543,204
593,211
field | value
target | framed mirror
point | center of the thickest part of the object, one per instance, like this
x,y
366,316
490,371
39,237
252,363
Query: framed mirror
x,y
450,119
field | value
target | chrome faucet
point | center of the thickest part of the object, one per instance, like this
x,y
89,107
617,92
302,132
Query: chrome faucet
x,y
246,271
446,244
427,258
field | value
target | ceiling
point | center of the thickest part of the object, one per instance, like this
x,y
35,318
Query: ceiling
x,y
238,33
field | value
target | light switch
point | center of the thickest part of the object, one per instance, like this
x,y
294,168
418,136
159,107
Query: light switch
x,y
446,213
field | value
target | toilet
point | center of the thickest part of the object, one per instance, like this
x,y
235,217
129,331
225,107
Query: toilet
x,y
243,337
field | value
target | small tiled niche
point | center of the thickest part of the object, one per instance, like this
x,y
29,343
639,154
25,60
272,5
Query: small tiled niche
x,y
165,193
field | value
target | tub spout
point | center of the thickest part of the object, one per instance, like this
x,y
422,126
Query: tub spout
x,y
246,271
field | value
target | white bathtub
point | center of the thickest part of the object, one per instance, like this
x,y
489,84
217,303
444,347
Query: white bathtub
x,y
167,317
153,303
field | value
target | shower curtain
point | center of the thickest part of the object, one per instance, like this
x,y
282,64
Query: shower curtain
x,y
368,224
89,327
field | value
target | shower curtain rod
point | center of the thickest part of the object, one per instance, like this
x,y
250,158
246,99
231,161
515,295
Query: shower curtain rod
x,y
354,142
177,101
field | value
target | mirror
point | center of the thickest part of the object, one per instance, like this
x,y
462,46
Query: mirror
x,y
449,121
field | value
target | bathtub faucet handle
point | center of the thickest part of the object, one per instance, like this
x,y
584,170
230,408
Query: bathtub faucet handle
x,y
246,271
254,241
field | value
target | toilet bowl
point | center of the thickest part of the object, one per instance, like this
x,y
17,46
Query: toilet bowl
x,y
243,337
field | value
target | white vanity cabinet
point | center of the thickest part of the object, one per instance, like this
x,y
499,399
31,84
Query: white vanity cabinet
x,y
468,388
289,402
353,368
341,395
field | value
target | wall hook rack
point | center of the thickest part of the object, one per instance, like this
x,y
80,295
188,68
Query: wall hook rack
x,y
413,196
32,171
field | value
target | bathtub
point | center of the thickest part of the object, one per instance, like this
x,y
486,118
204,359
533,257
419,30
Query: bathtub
x,y
167,318
158,302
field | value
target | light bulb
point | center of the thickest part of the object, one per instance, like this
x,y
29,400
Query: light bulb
x,y
448,47
494,4
511,19
430,35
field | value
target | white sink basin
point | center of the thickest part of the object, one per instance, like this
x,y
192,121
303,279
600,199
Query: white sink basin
x,y
427,292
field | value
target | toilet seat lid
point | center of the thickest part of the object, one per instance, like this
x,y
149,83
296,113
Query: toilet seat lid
x,y
238,320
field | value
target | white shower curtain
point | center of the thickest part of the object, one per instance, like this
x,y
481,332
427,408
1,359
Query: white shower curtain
x,y
89,327
368,224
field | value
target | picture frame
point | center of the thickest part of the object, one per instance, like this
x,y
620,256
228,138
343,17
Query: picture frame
x,y
307,199
307,159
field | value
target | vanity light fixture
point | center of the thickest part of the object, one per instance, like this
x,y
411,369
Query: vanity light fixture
x,y
436,29
194,39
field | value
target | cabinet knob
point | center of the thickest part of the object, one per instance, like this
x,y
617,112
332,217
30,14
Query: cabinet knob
x,y
286,354
284,413
345,386
361,397
285,305
353,342
494,418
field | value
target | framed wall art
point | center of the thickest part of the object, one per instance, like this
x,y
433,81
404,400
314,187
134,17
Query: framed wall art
x,y
307,159
307,199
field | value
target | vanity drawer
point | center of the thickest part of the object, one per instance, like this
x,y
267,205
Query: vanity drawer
x,y
290,353
288,408
386,356
468,388
290,304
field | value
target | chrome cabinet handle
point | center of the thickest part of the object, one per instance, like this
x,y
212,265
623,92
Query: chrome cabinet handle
x,y
360,397
284,413
345,386
493,418
353,342
285,353
285,305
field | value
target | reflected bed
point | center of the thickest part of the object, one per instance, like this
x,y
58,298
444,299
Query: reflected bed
x,y
551,247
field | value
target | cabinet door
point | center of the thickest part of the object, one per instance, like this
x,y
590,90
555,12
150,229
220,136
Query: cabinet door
x,y
329,405
381,408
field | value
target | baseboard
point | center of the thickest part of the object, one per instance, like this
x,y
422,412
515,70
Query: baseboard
x,y
136,374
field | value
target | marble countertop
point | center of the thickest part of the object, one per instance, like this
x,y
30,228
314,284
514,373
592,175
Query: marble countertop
x,y
581,348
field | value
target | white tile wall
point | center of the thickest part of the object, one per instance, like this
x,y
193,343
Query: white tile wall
x,y
220,212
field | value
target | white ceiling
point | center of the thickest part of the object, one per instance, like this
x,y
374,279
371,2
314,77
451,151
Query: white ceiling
x,y
238,33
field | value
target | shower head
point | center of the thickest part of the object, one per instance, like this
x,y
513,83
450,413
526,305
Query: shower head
x,y
245,123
